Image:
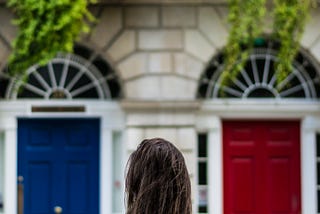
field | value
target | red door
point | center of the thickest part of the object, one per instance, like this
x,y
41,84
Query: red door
x,y
261,167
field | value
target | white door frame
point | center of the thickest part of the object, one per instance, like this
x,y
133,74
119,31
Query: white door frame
x,y
210,118
112,119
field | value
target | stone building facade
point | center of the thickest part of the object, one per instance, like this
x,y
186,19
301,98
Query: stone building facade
x,y
160,54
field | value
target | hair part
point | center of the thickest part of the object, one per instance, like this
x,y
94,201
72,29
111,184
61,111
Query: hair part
x,y
157,180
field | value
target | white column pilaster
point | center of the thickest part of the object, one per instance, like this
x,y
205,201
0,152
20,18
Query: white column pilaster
x,y
309,165
106,171
10,171
215,177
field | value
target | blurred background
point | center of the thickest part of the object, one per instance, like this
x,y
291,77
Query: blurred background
x,y
153,68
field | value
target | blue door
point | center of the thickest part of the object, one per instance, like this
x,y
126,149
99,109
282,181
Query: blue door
x,y
59,162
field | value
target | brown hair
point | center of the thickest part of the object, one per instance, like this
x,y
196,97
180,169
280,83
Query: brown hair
x,y
157,180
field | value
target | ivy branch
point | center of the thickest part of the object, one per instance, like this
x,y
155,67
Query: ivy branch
x,y
245,18
46,27
290,18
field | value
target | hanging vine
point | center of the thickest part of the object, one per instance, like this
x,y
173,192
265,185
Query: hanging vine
x,y
246,20
46,27
290,18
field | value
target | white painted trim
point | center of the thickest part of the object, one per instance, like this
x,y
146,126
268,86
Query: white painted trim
x,y
215,177
106,171
118,173
309,129
10,167
212,113
260,109
206,117
110,114
308,182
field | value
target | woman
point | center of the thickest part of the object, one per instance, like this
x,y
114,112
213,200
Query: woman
x,y
157,180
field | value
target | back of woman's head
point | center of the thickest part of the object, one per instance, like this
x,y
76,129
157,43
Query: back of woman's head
x,y
157,180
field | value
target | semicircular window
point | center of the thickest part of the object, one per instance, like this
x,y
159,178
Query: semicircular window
x,y
258,80
81,75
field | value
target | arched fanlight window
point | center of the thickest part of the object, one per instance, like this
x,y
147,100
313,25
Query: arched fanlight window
x,y
81,75
258,79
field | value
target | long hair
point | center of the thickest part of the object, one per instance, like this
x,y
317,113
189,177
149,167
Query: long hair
x,y
157,180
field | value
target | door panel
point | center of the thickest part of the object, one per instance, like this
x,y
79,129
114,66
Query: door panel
x,y
261,167
59,161
40,181
241,188
278,181
79,171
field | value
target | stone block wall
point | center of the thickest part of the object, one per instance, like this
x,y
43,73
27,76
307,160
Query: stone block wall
x,y
311,37
7,35
159,51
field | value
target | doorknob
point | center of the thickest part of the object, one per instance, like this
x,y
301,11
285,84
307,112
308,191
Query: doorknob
x,y
57,210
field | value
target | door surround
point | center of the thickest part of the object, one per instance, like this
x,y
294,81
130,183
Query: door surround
x,y
213,112
112,119
206,116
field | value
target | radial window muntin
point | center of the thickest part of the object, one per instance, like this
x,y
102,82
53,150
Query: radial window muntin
x,y
254,83
68,76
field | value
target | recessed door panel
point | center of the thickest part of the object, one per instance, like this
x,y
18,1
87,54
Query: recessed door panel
x,y
39,187
241,180
278,182
261,167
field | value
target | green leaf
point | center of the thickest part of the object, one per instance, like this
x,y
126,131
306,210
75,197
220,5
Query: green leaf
x,y
46,27
246,20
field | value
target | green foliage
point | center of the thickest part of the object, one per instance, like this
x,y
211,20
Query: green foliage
x,y
46,27
246,17
290,17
